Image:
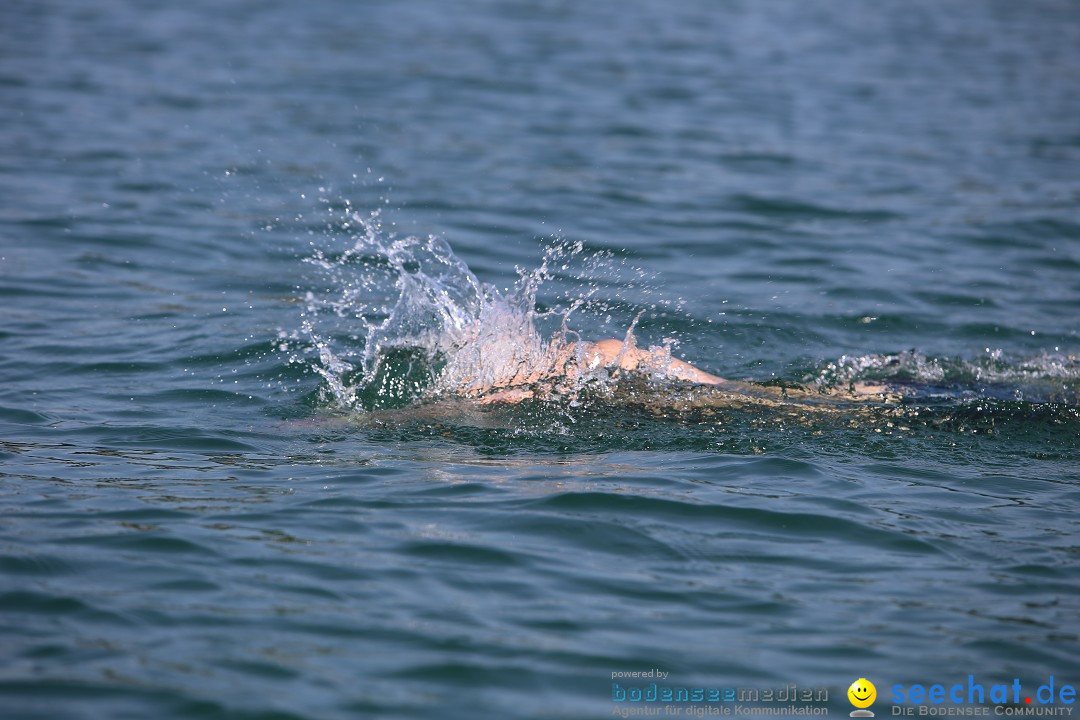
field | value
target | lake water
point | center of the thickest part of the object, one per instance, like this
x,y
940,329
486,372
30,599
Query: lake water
x,y
207,509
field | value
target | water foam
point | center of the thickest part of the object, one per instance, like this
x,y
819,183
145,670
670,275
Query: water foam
x,y
1043,378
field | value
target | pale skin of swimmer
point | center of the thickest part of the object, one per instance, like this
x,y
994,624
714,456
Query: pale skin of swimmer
x,y
619,355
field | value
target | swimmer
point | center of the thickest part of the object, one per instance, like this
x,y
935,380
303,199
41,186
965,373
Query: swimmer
x,y
566,365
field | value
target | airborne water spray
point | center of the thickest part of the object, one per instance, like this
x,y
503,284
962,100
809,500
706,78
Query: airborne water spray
x,y
394,319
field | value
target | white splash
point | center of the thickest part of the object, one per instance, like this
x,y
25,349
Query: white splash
x,y
406,318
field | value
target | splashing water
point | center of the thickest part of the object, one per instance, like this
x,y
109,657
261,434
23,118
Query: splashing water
x,y
404,318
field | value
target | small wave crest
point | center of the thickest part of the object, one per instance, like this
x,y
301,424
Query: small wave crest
x,y
1042,378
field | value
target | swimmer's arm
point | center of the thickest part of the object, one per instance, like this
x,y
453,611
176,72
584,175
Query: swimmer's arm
x,y
602,354
611,352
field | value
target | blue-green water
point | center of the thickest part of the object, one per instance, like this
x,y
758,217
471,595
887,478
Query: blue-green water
x,y
195,521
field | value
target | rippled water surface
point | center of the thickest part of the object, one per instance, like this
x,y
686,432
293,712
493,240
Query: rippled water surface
x,y
216,502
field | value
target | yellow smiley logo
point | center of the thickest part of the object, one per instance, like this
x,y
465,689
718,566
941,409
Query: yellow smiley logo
x,y
862,693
